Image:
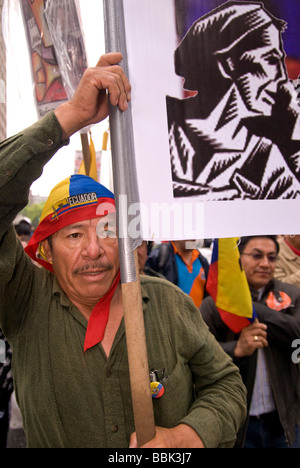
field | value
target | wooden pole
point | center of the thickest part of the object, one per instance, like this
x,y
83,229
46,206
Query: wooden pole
x,y
138,360
86,152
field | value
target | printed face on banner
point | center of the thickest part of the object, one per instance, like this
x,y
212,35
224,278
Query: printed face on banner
x,y
216,116
235,134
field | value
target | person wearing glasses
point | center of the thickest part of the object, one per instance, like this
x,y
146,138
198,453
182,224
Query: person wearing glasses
x,y
263,350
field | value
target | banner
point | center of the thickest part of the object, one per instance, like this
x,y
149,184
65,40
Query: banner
x,y
63,22
47,80
215,115
56,48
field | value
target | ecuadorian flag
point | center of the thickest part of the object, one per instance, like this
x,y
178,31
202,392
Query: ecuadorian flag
x,y
228,286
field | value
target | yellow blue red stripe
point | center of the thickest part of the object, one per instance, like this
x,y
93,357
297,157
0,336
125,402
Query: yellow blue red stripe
x,y
228,286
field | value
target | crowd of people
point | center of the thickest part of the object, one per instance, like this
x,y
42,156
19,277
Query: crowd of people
x,y
65,325
262,351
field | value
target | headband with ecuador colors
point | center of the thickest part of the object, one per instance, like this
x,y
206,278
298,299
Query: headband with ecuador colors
x,y
77,198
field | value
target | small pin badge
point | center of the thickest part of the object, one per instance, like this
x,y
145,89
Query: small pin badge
x,y
157,388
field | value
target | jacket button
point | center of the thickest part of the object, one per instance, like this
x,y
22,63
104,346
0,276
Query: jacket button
x,y
115,429
49,142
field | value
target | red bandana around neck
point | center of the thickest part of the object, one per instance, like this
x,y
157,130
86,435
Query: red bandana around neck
x,y
99,318
296,251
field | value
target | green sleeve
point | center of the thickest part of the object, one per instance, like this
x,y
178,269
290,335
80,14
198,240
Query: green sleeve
x,y
22,158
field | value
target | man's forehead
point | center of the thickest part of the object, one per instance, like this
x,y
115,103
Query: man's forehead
x,y
262,244
269,42
90,222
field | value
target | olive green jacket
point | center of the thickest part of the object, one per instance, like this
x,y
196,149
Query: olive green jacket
x,y
69,398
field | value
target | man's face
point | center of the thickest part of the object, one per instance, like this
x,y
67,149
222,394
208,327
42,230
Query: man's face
x,y
84,263
261,72
187,245
259,261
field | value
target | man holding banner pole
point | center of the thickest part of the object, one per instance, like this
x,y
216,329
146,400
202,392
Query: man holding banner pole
x,y
65,321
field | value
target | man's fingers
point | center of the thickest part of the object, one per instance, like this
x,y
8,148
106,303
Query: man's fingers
x,y
259,340
117,85
119,89
112,58
133,441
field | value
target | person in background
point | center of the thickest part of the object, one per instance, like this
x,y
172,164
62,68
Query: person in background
x,y
206,249
144,251
288,263
6,390
23,229
263,350
181,263
23,226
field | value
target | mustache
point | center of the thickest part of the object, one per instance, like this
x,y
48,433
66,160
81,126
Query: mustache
x,y
93,267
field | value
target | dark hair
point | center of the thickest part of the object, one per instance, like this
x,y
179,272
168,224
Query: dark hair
x,y
216,34
23,228
244,241
49,239
149,247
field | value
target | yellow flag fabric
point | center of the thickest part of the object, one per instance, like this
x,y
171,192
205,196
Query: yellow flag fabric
x,y
81,170
233,289
228,286
93,166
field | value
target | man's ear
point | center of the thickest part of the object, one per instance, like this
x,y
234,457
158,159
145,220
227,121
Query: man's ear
x,y
47,250
226,67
